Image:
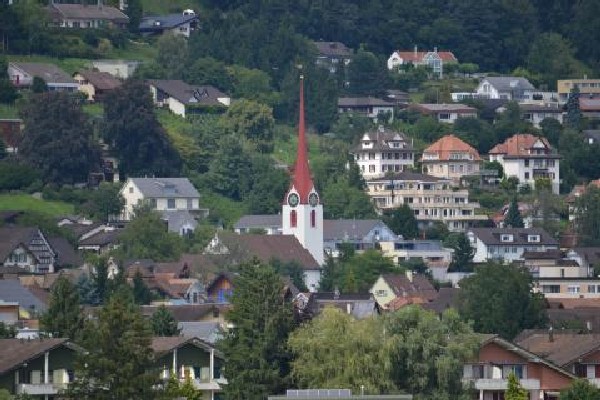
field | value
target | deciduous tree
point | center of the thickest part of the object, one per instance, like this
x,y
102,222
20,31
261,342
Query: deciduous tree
x,y
588,216
402,221
580,389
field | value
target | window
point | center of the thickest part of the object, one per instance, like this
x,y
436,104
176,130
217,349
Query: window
x,y
592,288
293,219
580,370
506,238
381,293
573,289
562,272
533,238
171,204
153,203
444,116
372,168
313,219
190,204
550,288
526,175
526,163
130,189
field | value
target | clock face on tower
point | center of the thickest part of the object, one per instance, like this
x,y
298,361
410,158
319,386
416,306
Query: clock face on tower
x,y
313,199
293,199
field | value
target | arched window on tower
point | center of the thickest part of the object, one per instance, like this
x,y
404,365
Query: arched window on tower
x,y
293,219
313,219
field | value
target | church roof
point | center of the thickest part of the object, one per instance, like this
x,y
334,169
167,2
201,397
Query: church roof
x,y
302,181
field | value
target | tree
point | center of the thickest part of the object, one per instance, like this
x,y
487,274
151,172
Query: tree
x,y
134,12
7,331
344,201
63,318
208,71
573,118
402,221
118,358
587,219
163,322
141,293
499,299
515,391
366,74
551,130
513,217
87,290
580,389
291,269
146,236
462,259
172,55
358,272
253,121
132,130
57,140
255,350
105,202
329,275
38,85
8,93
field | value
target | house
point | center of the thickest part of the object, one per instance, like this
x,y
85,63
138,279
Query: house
x,y
430,251
221,288
66,255
370,107
190,359
535,114
431,199
27,248
37,367
184,99
446,113
207,331
577,353
204,312
183,24
552,264
30,306
505,87
528,158
397,96
381,151
508,244
450,158
21,75
122,69
63,15
331,55
587,257
389,287
591,136
576,193
101,242
576,288
587,88
96,84
590,107
11,134
339,394
175,198
285,248
359,305
497,358
435,59
268,224
360,234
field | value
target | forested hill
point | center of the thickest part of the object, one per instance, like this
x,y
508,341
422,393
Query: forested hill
x,y
498,35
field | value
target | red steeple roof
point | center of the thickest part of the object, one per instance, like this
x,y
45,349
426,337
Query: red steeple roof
x,y
302,181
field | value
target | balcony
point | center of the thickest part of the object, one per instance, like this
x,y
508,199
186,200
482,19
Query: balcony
x,y
595,381
502,384
37,389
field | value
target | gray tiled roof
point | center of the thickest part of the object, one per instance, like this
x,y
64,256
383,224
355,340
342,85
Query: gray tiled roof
x,y
176,219
333,49
510,83
189,94
208,331
166,187
491,236
81,11
351,228
50,73
160,22
258,221
11,290
363,101
408,176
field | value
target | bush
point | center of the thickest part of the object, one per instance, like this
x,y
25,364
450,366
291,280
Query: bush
x,y
16,176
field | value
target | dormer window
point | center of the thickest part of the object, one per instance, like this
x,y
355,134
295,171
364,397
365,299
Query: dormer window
x,y
533,238
506,238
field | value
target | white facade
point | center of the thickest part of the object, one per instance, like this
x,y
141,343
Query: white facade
x,y
527,169
134,197
119,68
305,222
383,152
509,249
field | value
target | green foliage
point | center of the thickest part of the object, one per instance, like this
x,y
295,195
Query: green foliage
x,y
255,350
38,85
291,269
366,74
62,149
498,299
580,389
141,144
515,391
343,201
163,322
402,221
141,293
146,236
172,55
355,273
7,331
8,93
411,351
462,259
573,117
104,202
513,217
15,175
63,318
118,360
253,121
588,216
134,12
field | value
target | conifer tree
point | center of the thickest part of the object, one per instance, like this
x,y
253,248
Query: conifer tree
x,y
141,293
515,391
573,111
163,323
63,318
462,259
513,217
255,350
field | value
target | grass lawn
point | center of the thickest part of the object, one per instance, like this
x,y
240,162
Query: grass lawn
x,y
160,7
69,65
25,202
8,111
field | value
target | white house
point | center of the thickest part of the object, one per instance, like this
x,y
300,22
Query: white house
x,y
451,158
22,74
175,198
528,157
26,248
123,69
183,99
446,113
433,59
535,113
508,244
383,151
177,24
367,106
504,87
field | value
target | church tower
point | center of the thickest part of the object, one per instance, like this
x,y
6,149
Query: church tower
x,y
302,214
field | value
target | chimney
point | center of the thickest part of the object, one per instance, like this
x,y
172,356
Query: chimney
x,y
551,334
416,51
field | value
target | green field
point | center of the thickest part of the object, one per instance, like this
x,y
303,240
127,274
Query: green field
x,y
160,7
8,111
24,202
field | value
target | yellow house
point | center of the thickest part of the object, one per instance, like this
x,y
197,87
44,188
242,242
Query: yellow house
x,y
410,285
586,86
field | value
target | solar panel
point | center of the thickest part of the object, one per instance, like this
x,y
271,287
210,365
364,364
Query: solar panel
x,y
318,393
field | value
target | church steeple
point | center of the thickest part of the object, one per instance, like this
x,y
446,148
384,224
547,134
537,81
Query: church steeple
x,y
302,181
